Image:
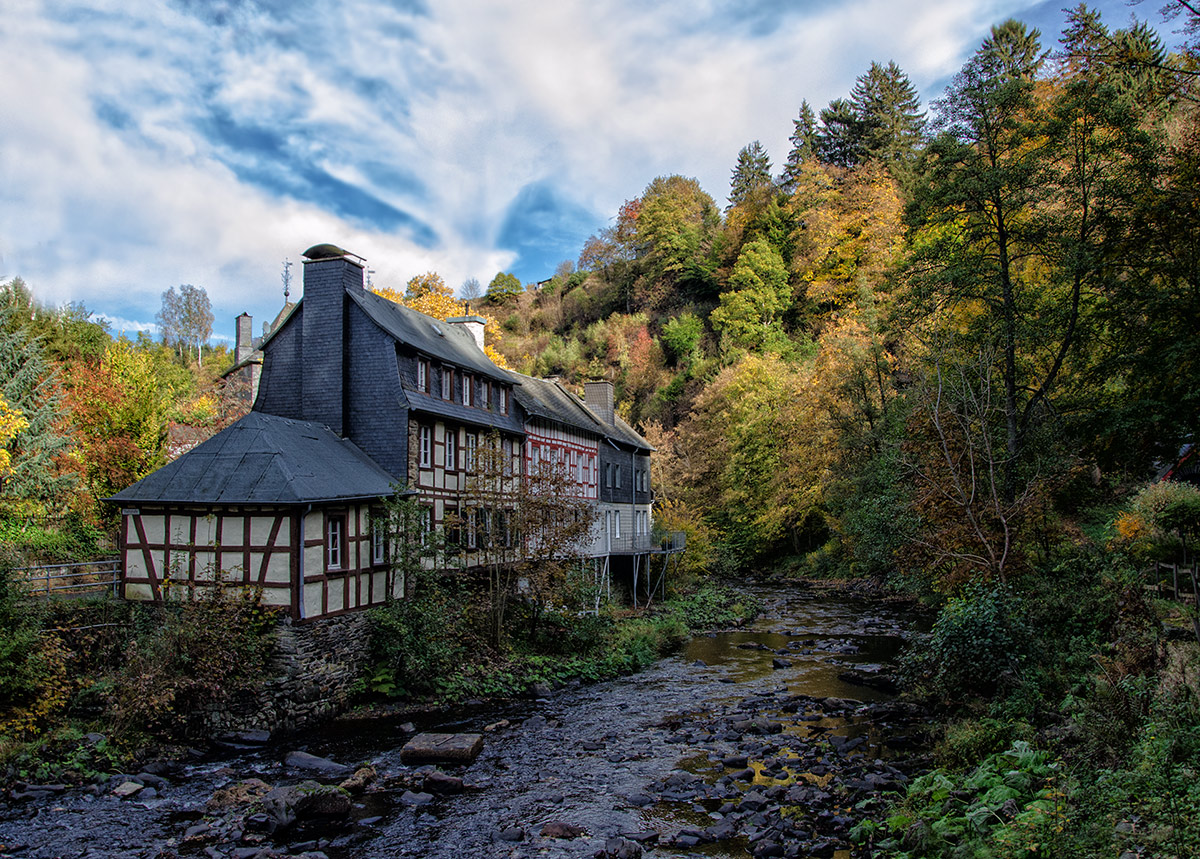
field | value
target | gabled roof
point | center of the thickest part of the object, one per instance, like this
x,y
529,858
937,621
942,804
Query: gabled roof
x,y
446,341
264,459
546,398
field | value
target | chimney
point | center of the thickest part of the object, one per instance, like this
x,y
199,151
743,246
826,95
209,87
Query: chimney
x,y
329,273
245,336
599,398
473,324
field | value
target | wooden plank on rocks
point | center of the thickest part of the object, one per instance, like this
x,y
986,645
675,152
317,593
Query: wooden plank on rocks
x,y
447,748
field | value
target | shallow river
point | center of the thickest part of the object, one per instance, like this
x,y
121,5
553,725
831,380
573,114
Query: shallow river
x,y
673,759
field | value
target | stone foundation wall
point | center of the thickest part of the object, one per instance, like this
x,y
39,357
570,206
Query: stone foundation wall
x,y
310,677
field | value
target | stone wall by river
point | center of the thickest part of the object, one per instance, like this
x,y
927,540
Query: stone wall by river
x,y
748,743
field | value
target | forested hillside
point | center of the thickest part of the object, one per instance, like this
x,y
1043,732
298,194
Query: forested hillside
x,y
932,335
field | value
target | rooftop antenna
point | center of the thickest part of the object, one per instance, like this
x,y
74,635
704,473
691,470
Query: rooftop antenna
x,y
287,279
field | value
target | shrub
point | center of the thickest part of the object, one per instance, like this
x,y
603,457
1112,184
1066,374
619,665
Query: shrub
x,y
189,655
977,639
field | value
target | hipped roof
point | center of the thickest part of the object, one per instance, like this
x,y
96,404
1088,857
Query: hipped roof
x,y
268,460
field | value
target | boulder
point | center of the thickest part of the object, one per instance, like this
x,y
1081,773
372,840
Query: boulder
x,y
127,789
313,764
304,801
558,829
358,782
442,748
240,793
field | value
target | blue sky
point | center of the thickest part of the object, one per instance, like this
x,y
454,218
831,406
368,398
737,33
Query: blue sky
x,y
148,144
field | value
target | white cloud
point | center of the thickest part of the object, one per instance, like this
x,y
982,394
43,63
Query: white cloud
x,y
445,117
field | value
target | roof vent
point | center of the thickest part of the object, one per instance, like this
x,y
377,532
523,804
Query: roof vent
x,y
436,330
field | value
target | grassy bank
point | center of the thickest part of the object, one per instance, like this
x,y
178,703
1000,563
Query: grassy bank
x,y
432,649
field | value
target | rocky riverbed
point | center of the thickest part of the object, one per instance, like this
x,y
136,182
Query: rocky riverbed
x,y
773,740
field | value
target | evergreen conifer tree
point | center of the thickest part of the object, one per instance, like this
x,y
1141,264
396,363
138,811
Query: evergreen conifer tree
x,y
890,120
804,146
753,171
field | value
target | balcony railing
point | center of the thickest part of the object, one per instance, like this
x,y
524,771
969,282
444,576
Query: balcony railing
x,y
636,544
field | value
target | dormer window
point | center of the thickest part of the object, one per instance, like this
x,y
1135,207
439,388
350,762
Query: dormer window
x,y
447,383
503,400
423,375
467,385
485,391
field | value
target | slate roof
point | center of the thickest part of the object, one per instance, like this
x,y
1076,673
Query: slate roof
x,y
264,459
546,398
447,341
430,404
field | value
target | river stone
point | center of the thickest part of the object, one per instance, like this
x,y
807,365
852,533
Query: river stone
x,y
321,766
438,782
558,829
512,833
620,848
308,799
358,782
127,789
437,748
415,799
241,793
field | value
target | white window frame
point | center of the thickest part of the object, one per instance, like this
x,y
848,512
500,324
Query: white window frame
x,y
503,396
425,435
422,375
447,383
378,543
469,448
467,389
450,450
335,541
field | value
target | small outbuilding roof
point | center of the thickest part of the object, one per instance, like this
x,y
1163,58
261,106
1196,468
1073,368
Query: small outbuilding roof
x,y
265,459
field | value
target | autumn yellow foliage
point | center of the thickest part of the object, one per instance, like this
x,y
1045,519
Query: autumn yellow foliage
x,y
12,421
441,304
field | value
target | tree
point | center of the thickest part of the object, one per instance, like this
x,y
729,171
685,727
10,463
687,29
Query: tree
x,y
747,317
28,383
429,283
186,319
119,414
985,184
804,147
503,287
471,289
840,140
752,171
675,224
12,421
891,123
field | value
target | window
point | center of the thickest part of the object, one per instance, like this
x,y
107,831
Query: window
x,y
617,476
506,445
426,447
574,466
593,472
472,537
447,383
467,384
608,474
485,390
616,524
423,376
378,542
472,442
451,458
335,542
503,399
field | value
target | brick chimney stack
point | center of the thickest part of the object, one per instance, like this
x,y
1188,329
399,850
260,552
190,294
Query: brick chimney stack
x,y
245,338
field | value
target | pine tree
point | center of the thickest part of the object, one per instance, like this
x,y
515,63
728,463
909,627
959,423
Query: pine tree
x,y
27,383
891,122
840,140
804,146
753,171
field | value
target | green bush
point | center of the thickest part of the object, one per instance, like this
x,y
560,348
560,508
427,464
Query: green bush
x,y
20,631
978,642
